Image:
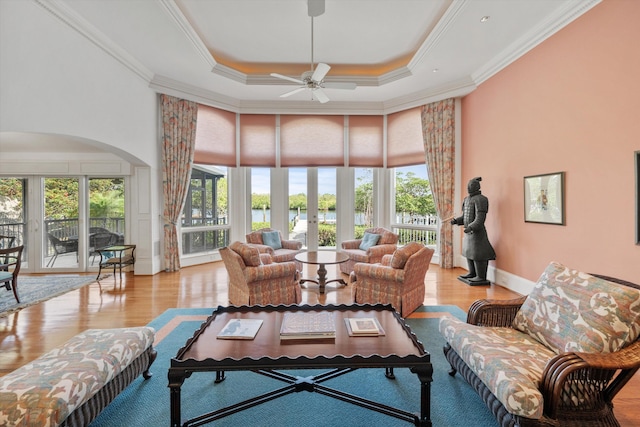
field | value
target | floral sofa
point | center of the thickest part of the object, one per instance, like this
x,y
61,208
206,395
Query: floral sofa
x,y
556,357
72,384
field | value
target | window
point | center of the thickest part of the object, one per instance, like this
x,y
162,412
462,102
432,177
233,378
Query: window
x,y
415,218
205,217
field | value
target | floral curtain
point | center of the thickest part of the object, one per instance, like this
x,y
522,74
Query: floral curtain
x,y
179,119
438,131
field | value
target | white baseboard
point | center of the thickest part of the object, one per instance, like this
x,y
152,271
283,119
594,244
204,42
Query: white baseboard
x,y
510,281
502,278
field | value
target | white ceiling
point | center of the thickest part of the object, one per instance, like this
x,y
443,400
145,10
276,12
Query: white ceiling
x,y
221,52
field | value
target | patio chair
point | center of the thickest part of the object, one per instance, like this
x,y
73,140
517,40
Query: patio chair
x,y
10,261
6,241
61,246
99,241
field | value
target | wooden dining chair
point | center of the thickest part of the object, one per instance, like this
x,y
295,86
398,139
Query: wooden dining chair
x,y
10,261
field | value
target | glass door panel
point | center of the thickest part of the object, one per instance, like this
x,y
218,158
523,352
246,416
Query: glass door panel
x,y
260,198
326,207
61,240
106,215
298,204
13,210
363,201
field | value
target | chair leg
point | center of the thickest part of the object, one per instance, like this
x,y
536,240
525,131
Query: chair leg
x,y
52,260
15,290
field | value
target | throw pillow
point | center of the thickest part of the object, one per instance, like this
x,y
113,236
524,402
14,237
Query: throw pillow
x,y
250,254
369,240
569,310
402,255
272,238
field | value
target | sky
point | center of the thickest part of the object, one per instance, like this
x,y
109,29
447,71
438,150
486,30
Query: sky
x,y
298,179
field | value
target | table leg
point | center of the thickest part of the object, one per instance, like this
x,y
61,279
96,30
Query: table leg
x,y
425,375
322,278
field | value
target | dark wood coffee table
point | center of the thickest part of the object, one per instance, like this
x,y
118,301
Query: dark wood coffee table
x,y
267,355
321,259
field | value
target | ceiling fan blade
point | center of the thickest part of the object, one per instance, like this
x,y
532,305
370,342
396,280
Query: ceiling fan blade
x,y
320,71
291,79
339,85
300,89
320,96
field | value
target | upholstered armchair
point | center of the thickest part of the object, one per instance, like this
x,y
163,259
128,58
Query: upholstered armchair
x,y
369,249
270,241
255,280
397,280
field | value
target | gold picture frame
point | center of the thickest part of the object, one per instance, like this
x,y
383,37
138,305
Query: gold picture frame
x,y
544,198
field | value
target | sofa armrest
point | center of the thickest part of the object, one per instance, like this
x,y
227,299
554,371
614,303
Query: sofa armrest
x,y
386,260
490,312
263,249
291,244
378,251
589,378
270,271
351,244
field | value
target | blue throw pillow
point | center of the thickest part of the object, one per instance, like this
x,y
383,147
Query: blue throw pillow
x,y
272,238
369,240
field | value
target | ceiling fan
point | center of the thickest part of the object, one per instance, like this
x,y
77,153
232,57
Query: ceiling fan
x,y
313,79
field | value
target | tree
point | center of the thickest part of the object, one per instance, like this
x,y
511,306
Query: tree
x,y
364,197
413,195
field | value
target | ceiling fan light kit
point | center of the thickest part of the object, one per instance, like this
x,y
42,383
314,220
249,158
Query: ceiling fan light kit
x,y
313,79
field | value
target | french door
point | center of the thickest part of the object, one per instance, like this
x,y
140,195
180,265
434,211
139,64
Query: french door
x,y
58,219
315,225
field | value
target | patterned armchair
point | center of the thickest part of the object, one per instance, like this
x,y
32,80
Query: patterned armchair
x,y
397,280
269,241
255,280
387,243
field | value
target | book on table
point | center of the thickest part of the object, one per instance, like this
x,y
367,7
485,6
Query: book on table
x,y
308,325
240,329
363,327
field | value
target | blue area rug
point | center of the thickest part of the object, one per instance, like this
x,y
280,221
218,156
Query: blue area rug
x,y
35,289
146,403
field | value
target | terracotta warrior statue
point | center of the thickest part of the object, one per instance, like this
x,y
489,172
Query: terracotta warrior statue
x,y
475,244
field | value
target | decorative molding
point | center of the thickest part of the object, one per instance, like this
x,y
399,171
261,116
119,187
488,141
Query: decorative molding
x,y
434,36
563,16
510,281
65,14
181,21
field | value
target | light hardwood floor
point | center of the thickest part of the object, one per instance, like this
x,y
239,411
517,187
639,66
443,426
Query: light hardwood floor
x,y
136,300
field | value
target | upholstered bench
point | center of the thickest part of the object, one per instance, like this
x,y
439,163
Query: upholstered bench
x,y
554,358
72,384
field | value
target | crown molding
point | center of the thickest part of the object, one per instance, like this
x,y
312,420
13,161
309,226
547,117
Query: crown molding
x,y
178,89
65,14
563,17
455,89
174,12
439,30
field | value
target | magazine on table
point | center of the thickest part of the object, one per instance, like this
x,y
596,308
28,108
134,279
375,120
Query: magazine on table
x,y
363,327
240,329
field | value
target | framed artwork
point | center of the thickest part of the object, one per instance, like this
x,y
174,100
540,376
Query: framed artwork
x,y
637,154
544,198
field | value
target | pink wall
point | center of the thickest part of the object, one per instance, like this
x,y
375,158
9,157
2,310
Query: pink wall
x,y
572,104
